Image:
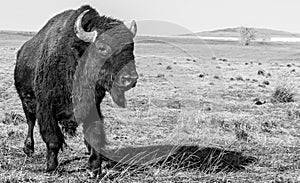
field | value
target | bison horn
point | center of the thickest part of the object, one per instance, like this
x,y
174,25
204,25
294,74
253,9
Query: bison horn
x,y
81,33
132,27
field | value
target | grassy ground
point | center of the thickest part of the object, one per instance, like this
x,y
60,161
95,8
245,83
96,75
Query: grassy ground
x,y
190,92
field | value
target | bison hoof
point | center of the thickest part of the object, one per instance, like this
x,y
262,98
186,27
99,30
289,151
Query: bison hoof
x,y
28,147
94,167
95,174
52,161
51,166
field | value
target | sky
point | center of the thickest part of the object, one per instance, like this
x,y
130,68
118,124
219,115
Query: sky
x,y
193,15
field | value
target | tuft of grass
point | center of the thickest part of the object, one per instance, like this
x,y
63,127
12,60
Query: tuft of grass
x,y
262,85
13,118
266,82
240,132
260,72
216,77
239,78
201,75
160,75
283,94
169,68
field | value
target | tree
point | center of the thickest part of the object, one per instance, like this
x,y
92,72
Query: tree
x,y
246,35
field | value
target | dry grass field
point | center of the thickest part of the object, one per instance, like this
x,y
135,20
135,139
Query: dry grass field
x,y
221,97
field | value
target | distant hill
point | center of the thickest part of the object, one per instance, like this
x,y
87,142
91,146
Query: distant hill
x,y
156,27
145,27
150,27
234,32
16,35
20,33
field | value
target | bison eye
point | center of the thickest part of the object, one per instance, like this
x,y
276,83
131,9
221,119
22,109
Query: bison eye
x,y
103,49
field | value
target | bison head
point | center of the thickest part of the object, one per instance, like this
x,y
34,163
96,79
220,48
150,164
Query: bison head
x,y
107,64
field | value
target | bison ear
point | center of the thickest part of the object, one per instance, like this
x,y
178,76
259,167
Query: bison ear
x,y
132,27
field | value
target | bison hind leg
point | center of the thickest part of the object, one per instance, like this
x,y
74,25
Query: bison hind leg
x,y
29,107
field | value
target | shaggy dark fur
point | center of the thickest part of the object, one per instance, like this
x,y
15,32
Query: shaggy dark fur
x,y
44,77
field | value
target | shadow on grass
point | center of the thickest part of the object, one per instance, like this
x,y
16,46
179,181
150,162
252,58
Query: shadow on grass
x,y
207,159
178,158
169,157
144,161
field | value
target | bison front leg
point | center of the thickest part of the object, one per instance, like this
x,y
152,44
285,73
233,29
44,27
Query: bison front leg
x,y
52,136
95,163
95,140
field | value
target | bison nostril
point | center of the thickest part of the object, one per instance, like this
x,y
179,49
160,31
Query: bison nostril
x,y
134,84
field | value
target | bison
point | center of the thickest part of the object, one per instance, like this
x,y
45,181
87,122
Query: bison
x,y
63,73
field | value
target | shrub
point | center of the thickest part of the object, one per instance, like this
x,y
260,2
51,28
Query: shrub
x,y
260,72
239,78
169,68
283,94
266,82
201,75
160,75
262,85
13,118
